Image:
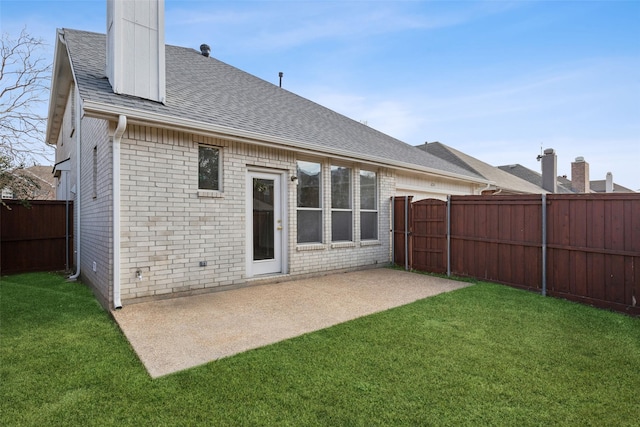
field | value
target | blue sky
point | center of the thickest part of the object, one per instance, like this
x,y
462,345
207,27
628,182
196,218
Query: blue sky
x,y
497,80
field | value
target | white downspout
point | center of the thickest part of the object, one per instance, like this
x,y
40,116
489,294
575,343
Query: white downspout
x,y
78,201
117,138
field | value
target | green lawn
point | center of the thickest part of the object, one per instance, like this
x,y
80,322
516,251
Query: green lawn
x,y
483,355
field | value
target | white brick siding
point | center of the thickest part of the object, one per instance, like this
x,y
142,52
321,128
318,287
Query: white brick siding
x,y
168,227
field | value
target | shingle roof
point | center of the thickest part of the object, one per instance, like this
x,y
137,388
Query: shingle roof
x,y
208,91
563,187
600,186
505,181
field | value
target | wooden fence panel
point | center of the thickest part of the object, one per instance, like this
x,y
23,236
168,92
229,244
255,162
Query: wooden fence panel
x,y
497,238
32,238
594,249
593,243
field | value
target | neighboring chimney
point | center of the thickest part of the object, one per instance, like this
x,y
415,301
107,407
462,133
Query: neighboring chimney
x,y
550,170
580,176
609,184
136,49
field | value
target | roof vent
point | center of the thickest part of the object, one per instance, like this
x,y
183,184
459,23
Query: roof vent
x,y
205,50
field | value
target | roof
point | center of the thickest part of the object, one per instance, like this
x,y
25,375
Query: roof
x,y
563,184
39,183
205,94
504,181
600,186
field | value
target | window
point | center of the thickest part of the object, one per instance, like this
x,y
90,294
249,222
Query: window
x,y
309,204
368,206
208,168
341,210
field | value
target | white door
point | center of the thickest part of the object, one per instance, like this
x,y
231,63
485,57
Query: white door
x,y
265,225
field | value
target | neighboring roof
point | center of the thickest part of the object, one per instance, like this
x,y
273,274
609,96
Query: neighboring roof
x,y
203,93
38,183
563,187
504,181
600,186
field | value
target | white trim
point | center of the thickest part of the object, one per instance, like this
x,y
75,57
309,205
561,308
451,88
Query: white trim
x,y
281,248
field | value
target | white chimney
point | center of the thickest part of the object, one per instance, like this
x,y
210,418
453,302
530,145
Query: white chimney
x,y
550,171
136,49
609,184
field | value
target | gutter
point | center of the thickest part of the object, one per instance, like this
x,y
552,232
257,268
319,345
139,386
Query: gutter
x,y
117,138
135,116
78,200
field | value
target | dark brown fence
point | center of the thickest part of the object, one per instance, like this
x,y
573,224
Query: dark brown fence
x,y
33,237
591,242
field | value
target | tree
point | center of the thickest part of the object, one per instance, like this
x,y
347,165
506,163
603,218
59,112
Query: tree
x,y
24,89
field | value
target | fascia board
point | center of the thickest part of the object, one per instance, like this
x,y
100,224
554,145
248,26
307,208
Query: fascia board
x,y
135,116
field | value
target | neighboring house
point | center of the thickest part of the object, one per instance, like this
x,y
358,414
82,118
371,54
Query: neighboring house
x,y
501,181
32,183
190,175
608,186
579,182
535,178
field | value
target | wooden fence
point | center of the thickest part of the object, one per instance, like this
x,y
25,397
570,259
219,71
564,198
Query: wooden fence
x,y
33,237
582,247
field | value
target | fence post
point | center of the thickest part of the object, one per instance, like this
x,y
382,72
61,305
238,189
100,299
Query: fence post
x,y
544,245
406,233
393,230
448,236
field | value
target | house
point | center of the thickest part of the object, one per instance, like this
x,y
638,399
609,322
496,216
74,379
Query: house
x,y
32,183
501,181
189,175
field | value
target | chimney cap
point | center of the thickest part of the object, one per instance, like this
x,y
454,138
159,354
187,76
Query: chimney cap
x,y
205,50
549,151
579,159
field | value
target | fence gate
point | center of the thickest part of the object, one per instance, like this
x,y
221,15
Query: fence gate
x,y
429,235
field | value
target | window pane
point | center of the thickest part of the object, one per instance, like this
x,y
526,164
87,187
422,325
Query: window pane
x,y
208,168
368,192
309,226
341,226
369,225
263,220
340,187
309,175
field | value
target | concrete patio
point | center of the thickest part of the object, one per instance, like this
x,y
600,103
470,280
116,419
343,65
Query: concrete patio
x,y
180,333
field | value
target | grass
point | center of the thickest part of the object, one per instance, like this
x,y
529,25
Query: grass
x,y
483,355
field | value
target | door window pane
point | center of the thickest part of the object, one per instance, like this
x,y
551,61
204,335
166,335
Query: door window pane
x,y
263,219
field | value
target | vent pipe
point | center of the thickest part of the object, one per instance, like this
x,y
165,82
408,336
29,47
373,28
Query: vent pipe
x,y
280,74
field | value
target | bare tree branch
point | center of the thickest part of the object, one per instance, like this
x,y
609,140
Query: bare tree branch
x,y
24,90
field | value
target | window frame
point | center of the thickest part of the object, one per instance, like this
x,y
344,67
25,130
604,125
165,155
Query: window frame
x,y
335,210
376,206
319,208
211,191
